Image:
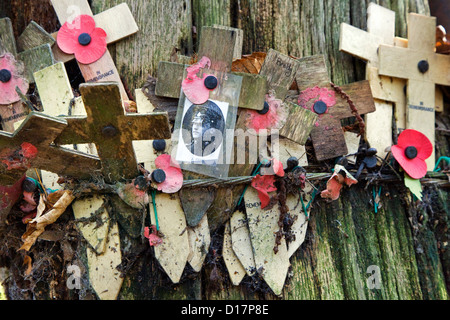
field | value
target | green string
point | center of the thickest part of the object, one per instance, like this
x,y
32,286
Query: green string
x,y
153,192
306,207
255,172
436,169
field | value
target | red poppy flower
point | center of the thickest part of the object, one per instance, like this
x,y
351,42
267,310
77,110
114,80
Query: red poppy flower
x,y
339,178
411,151
318,100
197,89
11,75
173,175
153,237
81,38
265,183
273,115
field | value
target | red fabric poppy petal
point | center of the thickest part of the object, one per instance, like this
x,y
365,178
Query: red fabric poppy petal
x,y
411,137
193,86
8,92
416,168
275,118
264,185
94,50
333,189
67,38
174,175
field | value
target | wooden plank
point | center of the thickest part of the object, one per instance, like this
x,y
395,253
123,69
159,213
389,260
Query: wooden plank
x,y
287,149
381,22
35,59
94,221
353,140
241,242
67,10
40,131
199,241
7,41
299,124
34,36
280,71
237,53
104,276
220,53
379,127
12,114
170,76
235,269
298,228
172,254
263,224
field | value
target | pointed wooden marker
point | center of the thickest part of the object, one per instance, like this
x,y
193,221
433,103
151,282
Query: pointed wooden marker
x,y
423,69
235,269
173,252
241,242
199,241
263,224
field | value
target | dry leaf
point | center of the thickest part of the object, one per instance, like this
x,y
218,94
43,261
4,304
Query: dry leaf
x,y
442,43
28,261
250,63
37,226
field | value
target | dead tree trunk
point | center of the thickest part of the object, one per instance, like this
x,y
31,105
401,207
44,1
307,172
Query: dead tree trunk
x,y
406,240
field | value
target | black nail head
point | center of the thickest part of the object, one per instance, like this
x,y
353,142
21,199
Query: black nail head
x,y
210,82
423,66
370,162
265,109
5,75
28,185
292,162
109,131
159,145
320,107
140,182
371,152
411,152
84,39
158,175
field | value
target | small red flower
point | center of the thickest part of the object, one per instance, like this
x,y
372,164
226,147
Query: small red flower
x,y
11,75
153,237
197,89
81,38
339,178
265,183
173,174
318,100
273,115
411,151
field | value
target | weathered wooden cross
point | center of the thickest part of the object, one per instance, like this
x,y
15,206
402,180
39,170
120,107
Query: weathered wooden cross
x,y
33,49
423,69
38,132
319,96
117,22
111,130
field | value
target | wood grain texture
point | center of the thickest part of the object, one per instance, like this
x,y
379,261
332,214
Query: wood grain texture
x,y
35,59
33,36
7,40
139,55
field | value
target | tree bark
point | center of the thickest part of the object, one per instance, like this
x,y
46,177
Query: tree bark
x,y
406,240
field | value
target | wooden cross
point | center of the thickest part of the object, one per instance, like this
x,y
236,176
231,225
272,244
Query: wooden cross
x,y
423,69
111,130
327,135
38,131
33,49
118,23
364,45
219,45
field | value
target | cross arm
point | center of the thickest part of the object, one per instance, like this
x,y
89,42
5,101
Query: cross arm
x,y
149,126
359,43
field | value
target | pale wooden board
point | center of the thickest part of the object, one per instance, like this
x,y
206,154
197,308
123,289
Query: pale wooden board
x,y
67,10
7,41
12,115
235,269
145,153
54,89
104,276
172,254
352,140
286,149
300,225
381,22
241,243
199,241
379,127
33,36
420,112
421,32
96,235
262,225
